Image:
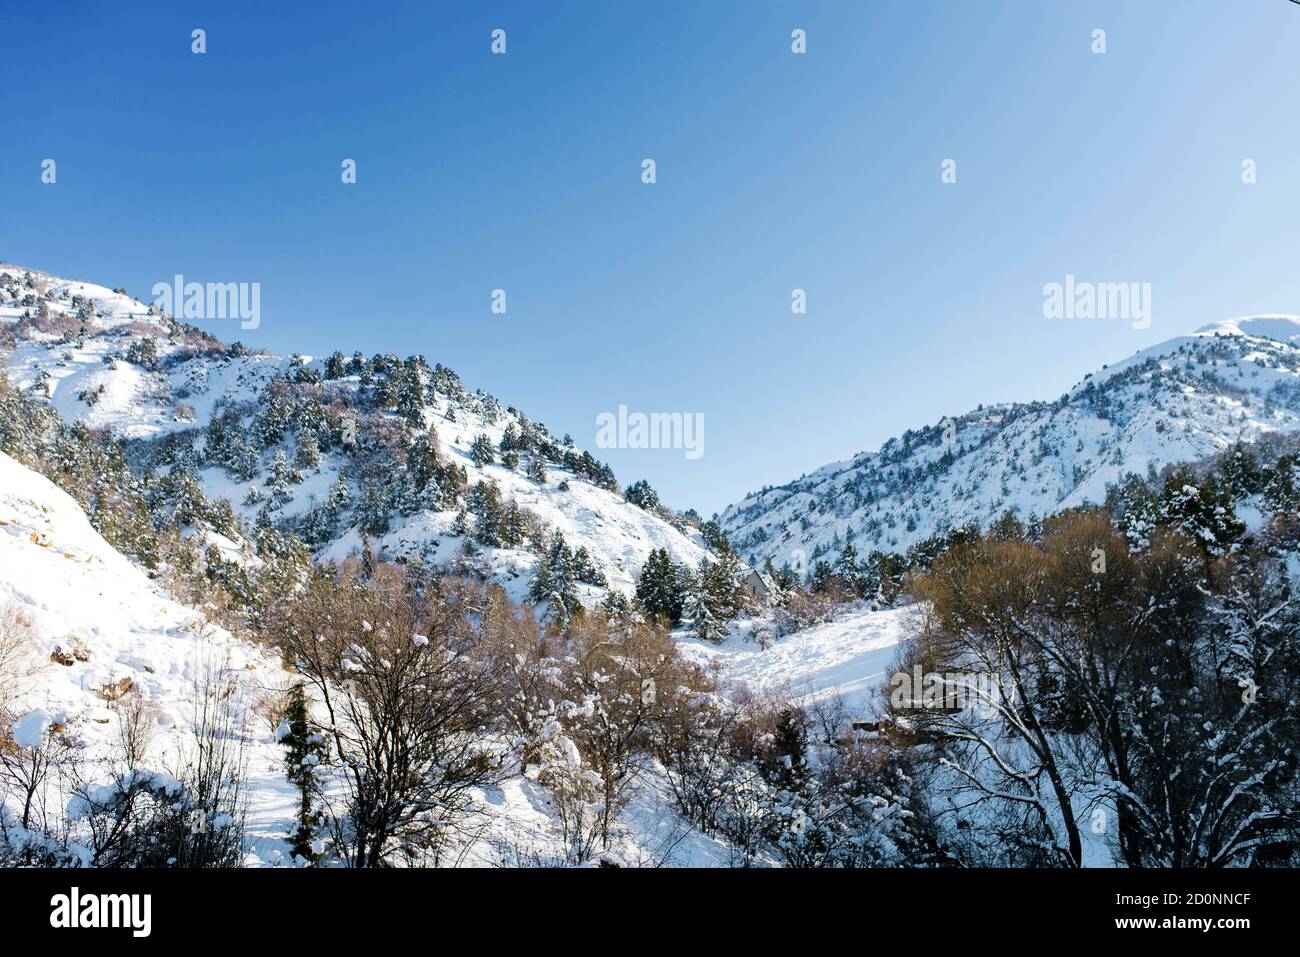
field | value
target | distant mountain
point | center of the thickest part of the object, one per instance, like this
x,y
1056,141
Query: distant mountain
x,y
346,451
1176,402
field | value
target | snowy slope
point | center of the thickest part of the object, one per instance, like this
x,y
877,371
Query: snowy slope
x,y
849,657
115,629
95,609
1175,402
76,356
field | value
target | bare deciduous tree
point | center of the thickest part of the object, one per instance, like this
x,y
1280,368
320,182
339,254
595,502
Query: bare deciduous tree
x,y
410,706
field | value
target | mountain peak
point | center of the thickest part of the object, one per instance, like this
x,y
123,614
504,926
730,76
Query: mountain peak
x,y
1279,326
1176,402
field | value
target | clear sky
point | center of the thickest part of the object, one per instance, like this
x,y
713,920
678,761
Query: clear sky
x,y
775,171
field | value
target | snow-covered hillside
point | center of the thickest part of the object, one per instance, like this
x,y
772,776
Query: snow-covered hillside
x,y
105,359
849,658
1175,402
102,629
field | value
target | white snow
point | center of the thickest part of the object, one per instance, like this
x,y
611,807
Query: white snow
x,y
1175,402
848,657
29,730
139,403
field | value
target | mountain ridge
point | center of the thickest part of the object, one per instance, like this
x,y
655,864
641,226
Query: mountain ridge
x,y
350,453
1175,402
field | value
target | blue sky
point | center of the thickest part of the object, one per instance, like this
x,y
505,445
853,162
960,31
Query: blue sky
x,y
775,171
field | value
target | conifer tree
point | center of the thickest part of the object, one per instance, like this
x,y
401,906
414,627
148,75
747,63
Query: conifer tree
x,y
722,580
373,514
820,577
659,587
481,450
585,569
281,477
699,608
410,396
304,752
243,463
555,581
307,455
848,569
641,494
714,538
537,469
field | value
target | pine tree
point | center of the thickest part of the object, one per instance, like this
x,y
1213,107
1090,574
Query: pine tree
x,y
849,571
410,396
555,581
281,477
722,579
699,609
543,582
304,751
307,455
373,513
367,558
585,569
243,463
820,577
641,494
481,450
1204,511
659,587
514,526
1280,488
484,501
714,538
616,606
787,766
510,440
537,469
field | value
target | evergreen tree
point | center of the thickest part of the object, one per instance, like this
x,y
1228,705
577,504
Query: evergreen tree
x,y
537,469
410,396
484,501
555,581
304,752
786,767
722,581
373,513
1242,471
243,463
514,526
659,587
281,477
849,571
585,569
481,450
616,607
641,494
1281,493
1203,510
700,606
820,578
510,440
307,455
714,538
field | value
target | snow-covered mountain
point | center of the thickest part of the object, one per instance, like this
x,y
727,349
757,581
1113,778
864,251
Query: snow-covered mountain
x,y
101,630
1175,402
371,448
